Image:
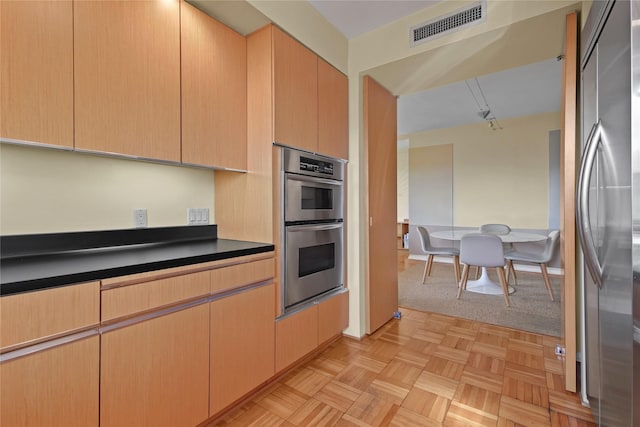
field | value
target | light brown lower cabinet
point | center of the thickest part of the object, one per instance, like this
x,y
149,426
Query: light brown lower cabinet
x,y
242,344
155,373
296,335
54,387
333,316
300,333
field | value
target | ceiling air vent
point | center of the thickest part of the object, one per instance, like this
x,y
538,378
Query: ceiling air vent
x,y
470,15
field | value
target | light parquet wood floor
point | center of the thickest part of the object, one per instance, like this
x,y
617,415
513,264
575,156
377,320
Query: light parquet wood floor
x,y
425,369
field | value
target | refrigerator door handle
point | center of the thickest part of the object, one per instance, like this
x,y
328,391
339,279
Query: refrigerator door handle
x,y
582,204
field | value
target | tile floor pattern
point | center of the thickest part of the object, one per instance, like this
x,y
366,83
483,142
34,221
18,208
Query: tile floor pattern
x,y
423,370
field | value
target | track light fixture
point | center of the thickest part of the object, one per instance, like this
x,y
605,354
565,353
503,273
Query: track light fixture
x,y
485,112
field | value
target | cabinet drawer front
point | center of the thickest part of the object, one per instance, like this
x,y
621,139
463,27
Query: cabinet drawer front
x,y
39,314
242,274
127,300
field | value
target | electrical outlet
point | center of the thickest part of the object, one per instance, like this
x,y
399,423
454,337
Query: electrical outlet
x,y
140,218
198,216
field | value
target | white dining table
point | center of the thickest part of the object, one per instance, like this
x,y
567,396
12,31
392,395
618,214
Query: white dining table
x,y
484,285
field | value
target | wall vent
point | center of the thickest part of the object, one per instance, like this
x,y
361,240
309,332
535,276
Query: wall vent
x,y
470,15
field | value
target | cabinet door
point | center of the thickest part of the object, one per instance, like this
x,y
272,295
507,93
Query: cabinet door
x,y
333,111
295,80
333,316
54,387
36,75
214,92
242,344
296,336
155,373
127,77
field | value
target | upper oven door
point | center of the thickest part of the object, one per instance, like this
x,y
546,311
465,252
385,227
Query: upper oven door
x,y
308,198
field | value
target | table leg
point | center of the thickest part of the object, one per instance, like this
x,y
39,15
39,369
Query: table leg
x,y
484,285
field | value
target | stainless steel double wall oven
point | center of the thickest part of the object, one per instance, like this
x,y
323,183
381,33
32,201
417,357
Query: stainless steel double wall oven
x,y
313,226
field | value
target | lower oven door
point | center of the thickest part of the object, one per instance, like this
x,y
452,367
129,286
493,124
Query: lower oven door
x,y
313,261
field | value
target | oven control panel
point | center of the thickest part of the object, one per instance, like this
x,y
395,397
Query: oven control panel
x,y
311,164
317,166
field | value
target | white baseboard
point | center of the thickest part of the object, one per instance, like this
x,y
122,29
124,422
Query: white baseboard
x,y
554,271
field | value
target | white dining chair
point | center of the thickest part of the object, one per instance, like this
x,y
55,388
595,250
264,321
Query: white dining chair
x,y
495,228
431,251
482,250
498,229
541,258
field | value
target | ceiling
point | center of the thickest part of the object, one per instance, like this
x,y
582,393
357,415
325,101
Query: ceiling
x,y
356,17
516,92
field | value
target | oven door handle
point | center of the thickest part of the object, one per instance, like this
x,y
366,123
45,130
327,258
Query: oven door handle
x,y
333,182
314,227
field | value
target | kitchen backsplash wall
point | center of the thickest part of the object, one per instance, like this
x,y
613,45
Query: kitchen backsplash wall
x,y
45,190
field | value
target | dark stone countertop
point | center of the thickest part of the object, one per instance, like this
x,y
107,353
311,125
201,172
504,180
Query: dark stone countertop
x,y
53,260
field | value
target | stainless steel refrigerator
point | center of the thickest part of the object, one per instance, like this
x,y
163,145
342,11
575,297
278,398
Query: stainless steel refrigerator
x,y
608,210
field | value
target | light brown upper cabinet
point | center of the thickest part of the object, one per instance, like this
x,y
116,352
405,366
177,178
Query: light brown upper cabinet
x,y
214,92
36,75
333,111
309,108
295,92
127,77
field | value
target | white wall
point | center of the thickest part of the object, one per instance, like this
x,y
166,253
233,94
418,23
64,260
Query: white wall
x,y
499,176
431,185
47,190
403,180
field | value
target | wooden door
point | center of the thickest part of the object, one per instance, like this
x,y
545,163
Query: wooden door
x,y
295,92
568,190
156,373
127,77
380,141
214,92
242,344
36,75
333,111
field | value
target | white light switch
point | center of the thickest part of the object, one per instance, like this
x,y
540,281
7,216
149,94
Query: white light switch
x,y
198,216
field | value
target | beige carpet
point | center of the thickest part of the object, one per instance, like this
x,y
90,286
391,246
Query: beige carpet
x,y
531,309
